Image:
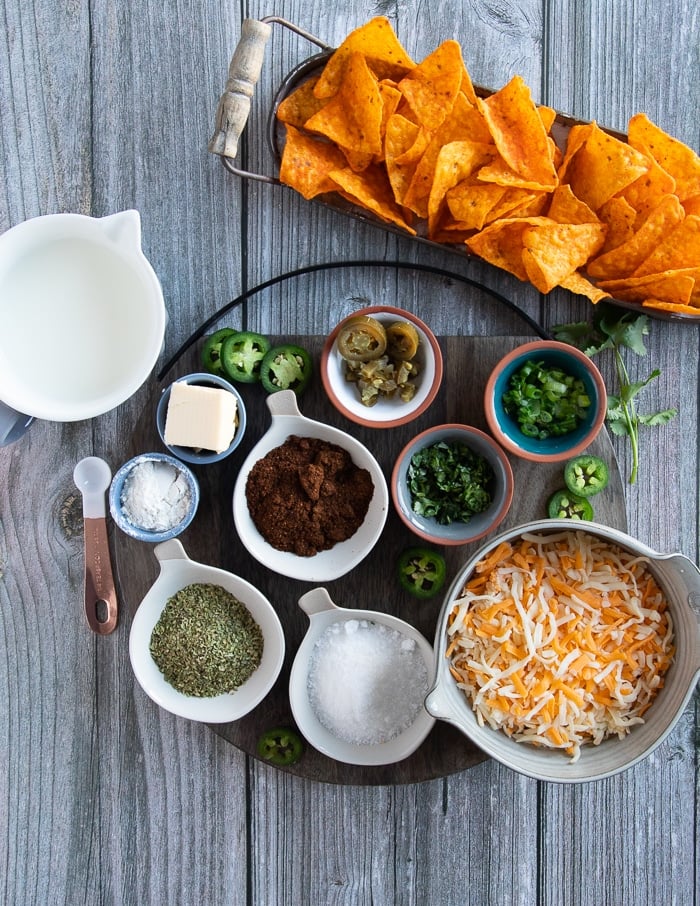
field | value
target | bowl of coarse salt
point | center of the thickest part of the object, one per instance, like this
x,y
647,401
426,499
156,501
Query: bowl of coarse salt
x,y
153,497
358,683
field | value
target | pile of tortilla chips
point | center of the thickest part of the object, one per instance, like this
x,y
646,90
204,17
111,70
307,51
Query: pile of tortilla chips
x,y
413,144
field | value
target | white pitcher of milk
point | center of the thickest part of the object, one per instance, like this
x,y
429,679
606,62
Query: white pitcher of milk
x,y
82,318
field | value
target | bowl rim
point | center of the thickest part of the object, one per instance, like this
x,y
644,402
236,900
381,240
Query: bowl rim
x,y
355,415
186,454
322,613
524,351
287,420
423,438
448,703
115,490
177,570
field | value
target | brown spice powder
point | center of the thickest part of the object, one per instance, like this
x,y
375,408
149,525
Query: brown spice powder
x,y
307,495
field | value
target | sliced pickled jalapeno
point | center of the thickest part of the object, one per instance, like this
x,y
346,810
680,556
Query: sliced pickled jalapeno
x,y
361,339
402,341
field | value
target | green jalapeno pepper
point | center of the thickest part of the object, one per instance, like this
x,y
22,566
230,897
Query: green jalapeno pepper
x,y
565,505
242,355
211,351
287,367
281,746
586,475
422,571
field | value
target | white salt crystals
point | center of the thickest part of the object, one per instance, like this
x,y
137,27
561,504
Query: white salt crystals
x,y
366,681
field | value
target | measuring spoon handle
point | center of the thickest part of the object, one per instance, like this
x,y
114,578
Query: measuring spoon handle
x,y
99,582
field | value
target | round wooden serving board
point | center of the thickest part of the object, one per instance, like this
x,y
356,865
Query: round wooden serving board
x,y
212,539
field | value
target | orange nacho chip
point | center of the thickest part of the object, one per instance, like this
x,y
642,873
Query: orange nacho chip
x,y
581,286
372,190
353,117
671,286
565,207
470,203
620,218
600,166
300,105
553,251
455,162
677,159
520,134
679,248
307,162
377,42
431,88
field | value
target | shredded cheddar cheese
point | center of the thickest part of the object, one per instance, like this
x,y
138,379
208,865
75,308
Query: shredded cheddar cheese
x,y
560,640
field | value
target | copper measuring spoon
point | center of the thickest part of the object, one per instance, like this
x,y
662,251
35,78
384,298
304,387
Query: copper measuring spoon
x,y
92,476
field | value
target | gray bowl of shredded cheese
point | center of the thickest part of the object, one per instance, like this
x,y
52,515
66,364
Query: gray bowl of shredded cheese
x,y
567,651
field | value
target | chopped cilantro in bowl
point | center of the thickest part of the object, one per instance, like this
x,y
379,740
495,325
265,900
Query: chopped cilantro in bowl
x,y
449,482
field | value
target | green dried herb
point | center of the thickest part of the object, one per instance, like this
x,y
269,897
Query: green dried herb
x,y
206,642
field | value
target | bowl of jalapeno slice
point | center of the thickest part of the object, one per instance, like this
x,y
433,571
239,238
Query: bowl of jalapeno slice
x,y
381,366
545,401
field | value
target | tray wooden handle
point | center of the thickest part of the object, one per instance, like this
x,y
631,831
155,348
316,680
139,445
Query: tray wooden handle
x,y
244,71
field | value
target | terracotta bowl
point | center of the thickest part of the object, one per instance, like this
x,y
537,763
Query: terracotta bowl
x,y
387,412
506,429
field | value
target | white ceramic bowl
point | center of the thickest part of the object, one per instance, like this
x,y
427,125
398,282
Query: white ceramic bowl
x,y
387,412
427,527
322,613
176,572
678,578
343,556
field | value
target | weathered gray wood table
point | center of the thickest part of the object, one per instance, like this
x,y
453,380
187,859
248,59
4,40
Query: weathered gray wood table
x,y
105,798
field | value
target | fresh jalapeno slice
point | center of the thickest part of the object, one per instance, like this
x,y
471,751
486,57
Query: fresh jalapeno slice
x,y
361,339
287,367
422,571
242,355
281,746
565,505
586,475
211,351
402,341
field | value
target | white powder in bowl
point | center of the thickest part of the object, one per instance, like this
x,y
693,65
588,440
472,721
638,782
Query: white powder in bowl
x,y
366,682
156,496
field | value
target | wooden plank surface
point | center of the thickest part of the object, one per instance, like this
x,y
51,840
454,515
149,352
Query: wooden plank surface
x,y
103,797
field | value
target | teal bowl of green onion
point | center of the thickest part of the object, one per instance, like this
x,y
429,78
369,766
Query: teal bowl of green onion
x,y
545,401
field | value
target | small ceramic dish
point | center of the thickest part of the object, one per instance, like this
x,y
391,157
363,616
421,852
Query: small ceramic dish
x,y
552,449
159,474
323,614
679,580
189,454
500,488
387,412
325,565
176,572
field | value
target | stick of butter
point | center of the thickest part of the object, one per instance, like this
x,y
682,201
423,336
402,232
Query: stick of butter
x,y
203,418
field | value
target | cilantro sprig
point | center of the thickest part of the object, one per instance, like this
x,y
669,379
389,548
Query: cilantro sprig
x,y
611,330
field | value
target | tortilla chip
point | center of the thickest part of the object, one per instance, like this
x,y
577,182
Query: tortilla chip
x,y
300,105
470,203
501,244
577,283
671,286
676,158
306,163
602,166
680,248
400,137
499,173
553,251
353,117
455,162
378,43
565,207
647,191
674,307
624,260
621,220
371,189
431,88
467,86
692,205
519,133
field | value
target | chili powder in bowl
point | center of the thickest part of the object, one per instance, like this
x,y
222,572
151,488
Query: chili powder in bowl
x,y
204,644
310,501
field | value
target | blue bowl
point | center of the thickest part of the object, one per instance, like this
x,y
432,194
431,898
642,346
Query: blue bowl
x,y
187,454
506,429
116,503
